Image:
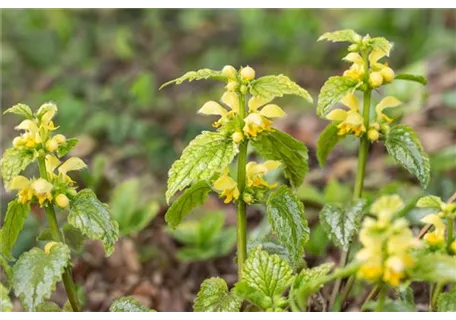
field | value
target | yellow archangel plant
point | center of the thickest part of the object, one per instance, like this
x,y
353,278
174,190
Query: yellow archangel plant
x,y
87,217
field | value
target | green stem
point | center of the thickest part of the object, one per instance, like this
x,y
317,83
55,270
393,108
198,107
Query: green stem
x,y
435,296
381,299
57,236
241,206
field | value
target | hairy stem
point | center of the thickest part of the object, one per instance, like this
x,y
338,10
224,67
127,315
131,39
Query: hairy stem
x,y
57,236
435,296
241,207
381,299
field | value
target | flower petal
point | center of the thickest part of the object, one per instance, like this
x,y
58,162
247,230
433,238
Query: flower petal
x,y
272,164
351,101
256,102
435,220
72,164
28,125
354,57
272,111
231,99
375,55
19,183
354,118
51,163
41,186
388,102
337,115
212,108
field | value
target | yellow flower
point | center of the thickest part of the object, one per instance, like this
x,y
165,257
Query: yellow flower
x,y
385,207
436,237
258,120
42,190
22,184
356,71
387,102
256,171
46,112
351,120
31,138
72,164
388,74
226,187
231,99
375,79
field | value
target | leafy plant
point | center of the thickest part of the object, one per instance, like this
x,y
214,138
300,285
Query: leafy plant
x,y
204,239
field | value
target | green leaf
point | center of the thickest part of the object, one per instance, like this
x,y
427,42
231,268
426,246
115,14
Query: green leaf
x,y
74,239
214,296
341,224
128,304
14,161
435,268
21,110
411,77
66,147
201,74
277,145
381,44
326,142
269,87
93,219
447,301
346,35
304,283
48,306
36,274
286,217
8,271
193,197
334,89
208,153
14,221
430,202
264,279
5,301
404,146
391,306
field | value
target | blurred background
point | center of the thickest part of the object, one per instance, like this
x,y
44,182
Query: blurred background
x,y
103,69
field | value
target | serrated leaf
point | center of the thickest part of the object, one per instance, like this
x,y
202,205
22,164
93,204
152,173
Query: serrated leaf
x,y
92,218
264,279
381,44
326,142
341,224
286,217
404,146
128,304
201,74
36,274
435,268
411,77
214,296
193,197
5,301
14,161
304,283
74,239
14,221
391,306
447,301
430,202
334,89
277,145
66,147
208,153
269,87
48,306
21,110
346,35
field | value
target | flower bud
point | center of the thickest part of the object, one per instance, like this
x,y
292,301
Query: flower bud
x,y
375,126
247,197
237,136
244,89
17,142
230,72
373,135
375,79
49,246
247,73
62,201
59,138
51,145
231,86
387,74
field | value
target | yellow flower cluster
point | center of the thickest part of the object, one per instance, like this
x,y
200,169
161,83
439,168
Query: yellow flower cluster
x,y
387,243
227,187
436,238
53,186
260,112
